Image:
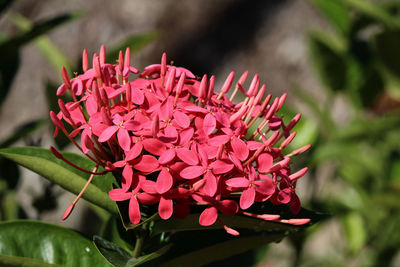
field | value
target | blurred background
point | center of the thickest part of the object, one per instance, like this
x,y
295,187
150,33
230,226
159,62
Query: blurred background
x,y
338,60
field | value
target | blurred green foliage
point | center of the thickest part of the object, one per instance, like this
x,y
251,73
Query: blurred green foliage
x,y
358,61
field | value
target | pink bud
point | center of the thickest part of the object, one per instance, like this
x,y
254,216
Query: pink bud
x,y
170,80
298,174
121,61
227,83
300,150
260,95
288,140
65,77
96,66
293,122
163,64
243,78
211,87
56,120
102,55
127,60
253,86
64,109
281,101
95,90
106,119
181,82
85,61
203,87
272,109
236,116
68,211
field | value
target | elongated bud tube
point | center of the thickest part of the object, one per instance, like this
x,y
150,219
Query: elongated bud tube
x,y
203,87
102,55
65,77
64,109
227,84
57,122
298,174
288,140
163,64
121,62
96,66
85,61
170,80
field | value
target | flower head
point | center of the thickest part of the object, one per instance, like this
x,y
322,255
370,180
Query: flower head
x,y
176,141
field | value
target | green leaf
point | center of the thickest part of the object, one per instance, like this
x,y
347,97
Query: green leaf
x,y
13,261
374,11
56,58
111,252
121,258
43,162
386,46
48,243
335,12
355,232
222,250
135,43
329,61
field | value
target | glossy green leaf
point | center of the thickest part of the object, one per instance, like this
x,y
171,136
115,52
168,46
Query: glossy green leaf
x,y
328,61
335,12
13,261
114,254
48,243
121,258
43,162
222,250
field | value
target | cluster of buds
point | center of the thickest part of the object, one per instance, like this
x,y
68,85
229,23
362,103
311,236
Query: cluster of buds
x,y
174,141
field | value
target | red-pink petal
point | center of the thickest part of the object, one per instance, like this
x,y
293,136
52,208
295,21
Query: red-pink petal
x,y
134,210
187,156
219,140
135,151
108,133
220,166
265,186
295,205
124,139
165,208
137,96
298,221
229,207
247,198
182,119
208,216
127,174
240,148
164,181
149,186
119,194
146,163
167,156
210,186
154,146
209,124
192,172
238,182
264,162
284,196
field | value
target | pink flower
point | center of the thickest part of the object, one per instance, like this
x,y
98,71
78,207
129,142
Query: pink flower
x,y
175,141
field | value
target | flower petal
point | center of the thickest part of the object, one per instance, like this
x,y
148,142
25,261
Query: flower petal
x,y
240,148
187,156
165,208
247,198
119,194
134,210
164,181
209,124
146,163
192,172
221,166
107,133
238,182
167,156
264,162
154,146
182,119
124,139
208,216
210,186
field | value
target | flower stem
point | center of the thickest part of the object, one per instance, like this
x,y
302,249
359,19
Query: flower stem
x,y
138,245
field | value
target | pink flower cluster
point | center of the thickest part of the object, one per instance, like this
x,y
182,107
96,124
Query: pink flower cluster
x,y
175,141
